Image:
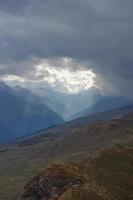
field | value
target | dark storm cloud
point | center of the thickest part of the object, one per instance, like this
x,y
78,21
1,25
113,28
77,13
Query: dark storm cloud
x,y
89,31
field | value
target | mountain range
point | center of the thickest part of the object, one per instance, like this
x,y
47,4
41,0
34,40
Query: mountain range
x,y
86,103
74,102
22,112
105,103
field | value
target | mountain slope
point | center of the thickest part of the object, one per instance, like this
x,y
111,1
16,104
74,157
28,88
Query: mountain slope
x,y
21,115
107,176
104,104
93,137
103,116
22,160
51,103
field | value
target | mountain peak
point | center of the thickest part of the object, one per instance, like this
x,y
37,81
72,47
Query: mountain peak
x,y
18,87
2,84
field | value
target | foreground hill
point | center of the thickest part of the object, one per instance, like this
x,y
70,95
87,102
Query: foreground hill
x,y
27,157
21,114
108,176
52,183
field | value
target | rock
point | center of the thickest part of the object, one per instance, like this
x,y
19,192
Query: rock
x,y
50,184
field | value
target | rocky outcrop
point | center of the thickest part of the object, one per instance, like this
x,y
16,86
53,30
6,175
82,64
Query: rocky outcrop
x,y
52,183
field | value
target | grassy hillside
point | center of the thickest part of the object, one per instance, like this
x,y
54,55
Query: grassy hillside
x,y
107,176
22,160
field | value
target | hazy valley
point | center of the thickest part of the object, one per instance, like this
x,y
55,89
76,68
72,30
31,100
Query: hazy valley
x,y
67,154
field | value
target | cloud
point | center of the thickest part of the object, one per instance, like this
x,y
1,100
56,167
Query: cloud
x,y
96,34
62,79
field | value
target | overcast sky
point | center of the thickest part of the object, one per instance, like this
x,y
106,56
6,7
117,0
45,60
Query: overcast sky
x,y
43,40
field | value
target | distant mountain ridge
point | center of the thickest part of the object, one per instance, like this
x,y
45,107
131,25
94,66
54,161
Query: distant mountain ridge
x,y
73,102
66,127
104,104
52,103
23,113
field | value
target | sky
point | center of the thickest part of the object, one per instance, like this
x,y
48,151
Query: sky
x,y
68,45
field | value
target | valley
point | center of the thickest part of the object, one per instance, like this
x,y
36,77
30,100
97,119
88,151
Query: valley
x,y
71,152
66,100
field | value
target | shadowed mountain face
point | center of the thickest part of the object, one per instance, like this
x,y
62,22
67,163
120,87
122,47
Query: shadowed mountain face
x,y
22,113
50,102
